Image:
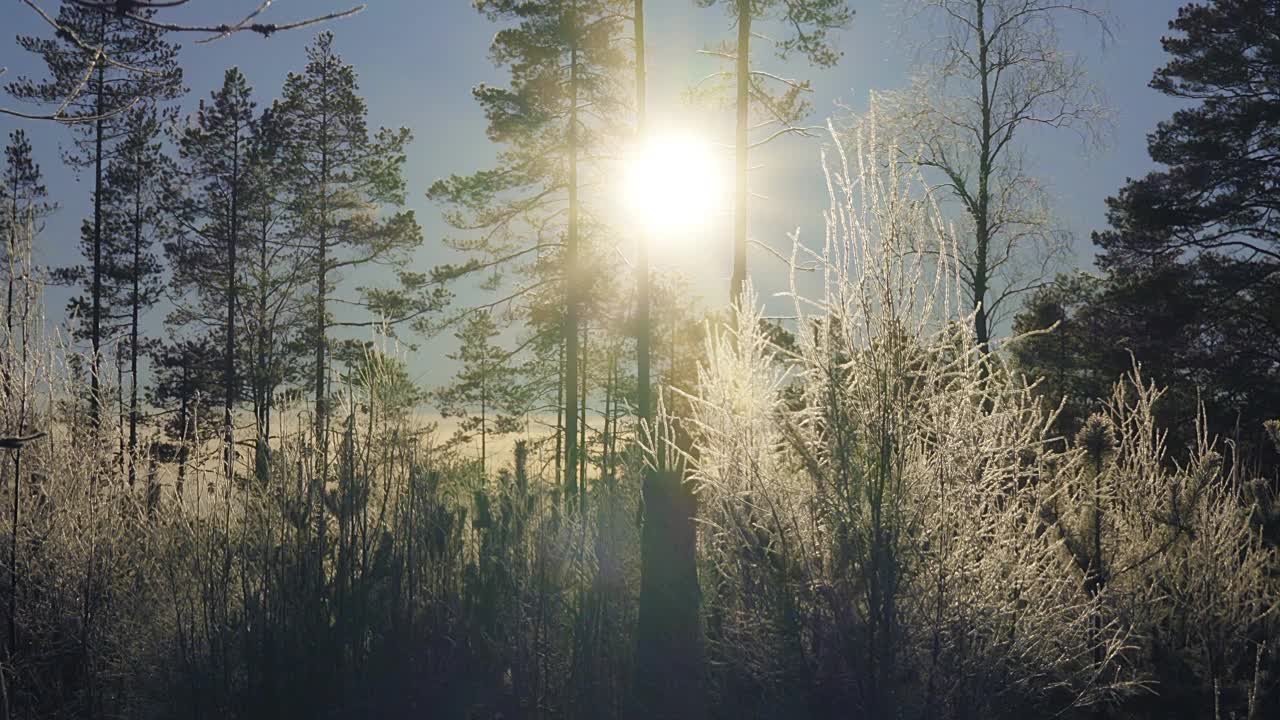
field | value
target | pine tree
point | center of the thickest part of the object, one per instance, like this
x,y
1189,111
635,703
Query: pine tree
x,y
274,273
127,282
340,178
134,65
214,149
22,208
1075,365
185,380
1202,235
778,109
1192,258
484,394
564,58
135,191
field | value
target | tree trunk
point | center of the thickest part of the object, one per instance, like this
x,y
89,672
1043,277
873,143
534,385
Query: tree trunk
x,y
564,492
572,279
262,373
95,330
184,442
669,667
582,441
644,328
8,367
134,311
981,214
13,554
229,359
739,279
484,409
668,680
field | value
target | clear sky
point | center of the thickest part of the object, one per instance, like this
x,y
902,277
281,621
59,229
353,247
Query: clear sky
x,y
418,60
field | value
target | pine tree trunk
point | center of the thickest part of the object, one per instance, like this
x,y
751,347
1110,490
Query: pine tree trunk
x,y
322,277
8,367
121,419
743,73
184,446
95,330
13,555
134,310
321,342
668,660
262,373
606,437
644,329
669,666
484,427
582,442
229,361
572,280
564,492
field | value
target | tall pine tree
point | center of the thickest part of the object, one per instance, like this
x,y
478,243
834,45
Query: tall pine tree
x,y
484,395
564,57
135,193
764,100
215,148
341,178
100,65
22,208
186,380
275,271
1193,253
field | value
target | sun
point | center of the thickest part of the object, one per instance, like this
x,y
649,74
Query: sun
x,y
674,182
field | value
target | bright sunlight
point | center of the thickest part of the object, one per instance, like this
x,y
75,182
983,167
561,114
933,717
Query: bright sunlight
x,y
674,182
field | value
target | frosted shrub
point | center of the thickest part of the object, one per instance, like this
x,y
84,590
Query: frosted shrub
x,y
872,500
1169,543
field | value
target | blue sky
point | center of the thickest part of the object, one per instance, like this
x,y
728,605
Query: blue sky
x,y
418,60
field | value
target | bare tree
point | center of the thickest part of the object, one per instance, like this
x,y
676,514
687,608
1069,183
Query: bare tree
x,y
995,71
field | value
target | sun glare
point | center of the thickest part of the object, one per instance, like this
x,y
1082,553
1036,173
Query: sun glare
x,y
674,182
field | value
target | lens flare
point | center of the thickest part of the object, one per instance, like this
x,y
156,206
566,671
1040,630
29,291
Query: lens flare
x,y
674,182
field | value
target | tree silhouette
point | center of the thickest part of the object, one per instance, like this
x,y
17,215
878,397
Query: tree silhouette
x,y
205,257
136,189
99,64
22,209
339,178
563,58
484,394
1193,254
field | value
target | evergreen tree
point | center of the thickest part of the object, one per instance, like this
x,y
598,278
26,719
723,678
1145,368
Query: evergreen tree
x,y
1075,365
763,100
215,148
340,178
564,59
128,278
274,273
1192,258
100,64
135,191
484,394
1193,253
22,208
186,382
1219,153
